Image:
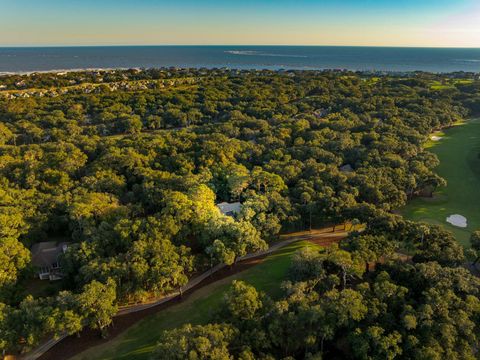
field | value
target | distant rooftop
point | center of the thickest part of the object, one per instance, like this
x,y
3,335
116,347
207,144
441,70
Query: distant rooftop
x,y
230,209
47,253
346,168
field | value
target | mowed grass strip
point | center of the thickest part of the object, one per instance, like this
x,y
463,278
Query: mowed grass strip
x,y
458,151
139,340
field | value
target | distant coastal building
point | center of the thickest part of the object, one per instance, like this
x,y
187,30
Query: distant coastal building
x,y
230,209
45,257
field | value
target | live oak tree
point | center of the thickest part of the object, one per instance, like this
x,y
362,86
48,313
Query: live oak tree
x,y
66,314
209,342
14,257
242,301
475,244
312,264
98,304
6,135
439,245
370,248
7,335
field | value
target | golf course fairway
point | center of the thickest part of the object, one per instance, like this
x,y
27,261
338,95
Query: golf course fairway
x,y
458,151
139,341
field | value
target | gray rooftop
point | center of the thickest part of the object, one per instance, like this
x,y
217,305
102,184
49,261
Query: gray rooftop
x,y
230,208
46,253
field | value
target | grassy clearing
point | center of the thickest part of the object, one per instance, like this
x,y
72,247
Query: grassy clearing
x,y
138,341
449,83
458,151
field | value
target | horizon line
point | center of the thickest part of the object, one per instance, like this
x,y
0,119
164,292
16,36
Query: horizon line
x,y
239,45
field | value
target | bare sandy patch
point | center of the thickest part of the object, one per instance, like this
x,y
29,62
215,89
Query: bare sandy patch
x,y
457,220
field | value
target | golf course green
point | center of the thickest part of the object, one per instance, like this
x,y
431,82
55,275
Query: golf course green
x,y
458,151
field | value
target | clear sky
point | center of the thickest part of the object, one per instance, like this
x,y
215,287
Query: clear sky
x,y
444,23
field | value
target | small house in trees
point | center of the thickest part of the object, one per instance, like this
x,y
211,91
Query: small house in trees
x,y
230,209
45,258
320,113
346,168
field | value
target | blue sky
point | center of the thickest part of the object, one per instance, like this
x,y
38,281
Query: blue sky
x,y
300,22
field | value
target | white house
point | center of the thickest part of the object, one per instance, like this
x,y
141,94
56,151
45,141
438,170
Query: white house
x,y
230,209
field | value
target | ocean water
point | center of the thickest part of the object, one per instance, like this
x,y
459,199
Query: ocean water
x,y
240,57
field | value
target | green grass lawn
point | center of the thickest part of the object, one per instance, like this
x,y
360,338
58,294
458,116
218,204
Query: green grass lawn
x,y
138,341
458,152
449,84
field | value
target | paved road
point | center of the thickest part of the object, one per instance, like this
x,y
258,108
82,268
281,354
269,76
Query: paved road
x,y
288,239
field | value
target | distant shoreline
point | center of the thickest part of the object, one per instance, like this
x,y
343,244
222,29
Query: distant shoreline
x,y
80,70
54,71
27,60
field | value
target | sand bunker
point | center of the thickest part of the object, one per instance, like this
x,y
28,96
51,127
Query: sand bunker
x,y
457,220
435,138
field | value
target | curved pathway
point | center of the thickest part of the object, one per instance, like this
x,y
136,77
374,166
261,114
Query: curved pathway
x,y
284,241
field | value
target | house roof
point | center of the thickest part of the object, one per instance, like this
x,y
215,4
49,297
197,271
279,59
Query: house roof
x,y
226,208
346,168
46,253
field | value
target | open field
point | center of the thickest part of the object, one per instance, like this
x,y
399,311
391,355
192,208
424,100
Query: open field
x,y
458,151
139,340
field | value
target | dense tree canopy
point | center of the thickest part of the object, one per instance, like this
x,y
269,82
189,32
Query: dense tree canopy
x,y
400,311
128,166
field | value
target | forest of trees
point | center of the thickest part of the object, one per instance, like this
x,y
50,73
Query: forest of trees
x,y
131,179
